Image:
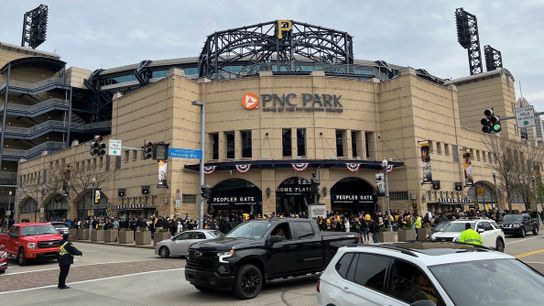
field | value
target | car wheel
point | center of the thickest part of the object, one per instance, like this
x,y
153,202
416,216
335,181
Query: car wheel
x,y
164,252
204,289
21,260
249,282
499,245
523,233
535,230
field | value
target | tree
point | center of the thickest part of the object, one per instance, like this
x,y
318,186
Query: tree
x,y
88,176
517,165
47,182
502,153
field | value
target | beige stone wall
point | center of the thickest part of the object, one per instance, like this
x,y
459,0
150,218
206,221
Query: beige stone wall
x,y
76,75
397,114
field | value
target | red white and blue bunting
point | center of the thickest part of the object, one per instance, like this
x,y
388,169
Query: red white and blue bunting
x,y
353,167
299,166
209,169
243,168
389,168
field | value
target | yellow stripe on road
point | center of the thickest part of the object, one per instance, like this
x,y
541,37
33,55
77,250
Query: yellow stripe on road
x,y
527,254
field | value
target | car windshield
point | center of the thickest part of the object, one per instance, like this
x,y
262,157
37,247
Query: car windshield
x,y
216,234
455,227
38,230
490,282
252,230
440,226
512,218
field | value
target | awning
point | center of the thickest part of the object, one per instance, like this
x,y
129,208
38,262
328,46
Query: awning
x,y
289,163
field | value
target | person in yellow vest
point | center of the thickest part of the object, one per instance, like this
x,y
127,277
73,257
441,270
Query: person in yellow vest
x,y
418,225
470,236
66,258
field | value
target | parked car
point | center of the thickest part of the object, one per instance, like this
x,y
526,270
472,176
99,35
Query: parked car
x,y
179,244
29,241
492,236
259,250
438,228
519,224
427,274
3,259
61,227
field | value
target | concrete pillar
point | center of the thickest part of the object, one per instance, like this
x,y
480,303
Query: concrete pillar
x,y
347,143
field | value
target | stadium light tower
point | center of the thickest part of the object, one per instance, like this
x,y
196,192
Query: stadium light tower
x,y
468,37
35,27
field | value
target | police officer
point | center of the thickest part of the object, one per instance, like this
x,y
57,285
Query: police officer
x,y
470,236
66,258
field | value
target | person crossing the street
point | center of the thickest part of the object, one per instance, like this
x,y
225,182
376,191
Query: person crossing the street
x,y
66,258
470,236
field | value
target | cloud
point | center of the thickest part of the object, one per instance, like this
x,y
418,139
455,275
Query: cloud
x,y
420,34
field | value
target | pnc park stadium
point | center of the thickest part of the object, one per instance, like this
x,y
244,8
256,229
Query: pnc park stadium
x,y
292,123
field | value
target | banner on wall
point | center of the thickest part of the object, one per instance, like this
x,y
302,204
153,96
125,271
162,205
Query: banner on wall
x,y
467,165
380,183
162,174
426,159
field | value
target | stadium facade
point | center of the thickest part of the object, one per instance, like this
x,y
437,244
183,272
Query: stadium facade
x,y
283,101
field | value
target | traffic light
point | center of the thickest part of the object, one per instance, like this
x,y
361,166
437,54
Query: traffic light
x,y
491,123
148,149
98,148
206,192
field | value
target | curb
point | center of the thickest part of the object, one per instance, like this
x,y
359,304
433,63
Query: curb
x,y
116,244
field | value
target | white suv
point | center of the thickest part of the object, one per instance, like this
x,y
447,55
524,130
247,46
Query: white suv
x,y
492,236
427,274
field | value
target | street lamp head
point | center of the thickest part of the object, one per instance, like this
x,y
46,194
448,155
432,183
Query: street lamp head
x,y
197,103
10,193
93,181
494,172
385,163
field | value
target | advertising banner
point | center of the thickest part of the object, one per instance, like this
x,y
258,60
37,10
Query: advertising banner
x,y
162,174
380,184
467,165
426,159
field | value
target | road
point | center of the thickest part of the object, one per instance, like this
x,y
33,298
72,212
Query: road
x,y
132,276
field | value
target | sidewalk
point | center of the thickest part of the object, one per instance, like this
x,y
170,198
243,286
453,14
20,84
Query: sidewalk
x,y
131,245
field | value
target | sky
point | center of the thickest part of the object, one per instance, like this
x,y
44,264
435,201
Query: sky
x,y
420,34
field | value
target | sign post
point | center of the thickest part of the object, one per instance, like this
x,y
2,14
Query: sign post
x,y
525,116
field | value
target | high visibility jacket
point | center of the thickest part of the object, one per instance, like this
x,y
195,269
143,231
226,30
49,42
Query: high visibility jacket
x,y
471,236
63,250
418,222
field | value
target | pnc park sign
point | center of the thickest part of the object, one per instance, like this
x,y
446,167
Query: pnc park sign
x,y
291,102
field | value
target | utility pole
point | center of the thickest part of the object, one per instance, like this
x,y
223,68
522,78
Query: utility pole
x,y
202,159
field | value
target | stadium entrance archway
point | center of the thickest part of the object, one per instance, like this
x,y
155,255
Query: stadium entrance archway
x,y
293,196
353,195
235,196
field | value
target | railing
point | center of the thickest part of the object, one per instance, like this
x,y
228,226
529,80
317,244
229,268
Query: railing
x,y
33,86
56,125
27,154
34,109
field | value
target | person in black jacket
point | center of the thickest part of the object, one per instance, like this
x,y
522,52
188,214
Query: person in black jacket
x,y
66,258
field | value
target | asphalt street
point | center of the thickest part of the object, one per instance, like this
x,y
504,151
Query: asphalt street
x,y
112,275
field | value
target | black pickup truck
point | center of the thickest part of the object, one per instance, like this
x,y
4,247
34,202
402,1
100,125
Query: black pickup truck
x,y
519,224
259,250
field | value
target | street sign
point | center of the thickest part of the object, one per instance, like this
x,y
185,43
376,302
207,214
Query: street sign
x,y
184,153
525,116
115,147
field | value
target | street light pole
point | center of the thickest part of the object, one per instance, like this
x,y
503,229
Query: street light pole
x,y
202,159
533,179
10,193
385,163
496,190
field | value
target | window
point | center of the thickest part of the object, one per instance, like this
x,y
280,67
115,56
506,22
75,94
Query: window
x,y
410,284
107,163
371,271
455,153
188,198
214,139
303,230
342,266
282,230
184,236
286,142
438,147
340,142
126,156
484,156
198,235
478,155
246,143
370,144
446,149
117,162
29,206
301,142
355,136
230,144
398,195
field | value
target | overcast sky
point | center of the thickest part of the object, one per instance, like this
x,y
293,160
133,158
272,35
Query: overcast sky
x,y
421,34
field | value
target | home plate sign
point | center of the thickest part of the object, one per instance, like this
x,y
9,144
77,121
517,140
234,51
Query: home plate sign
x,y
525,116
